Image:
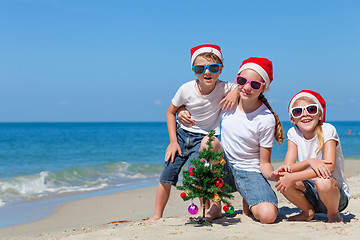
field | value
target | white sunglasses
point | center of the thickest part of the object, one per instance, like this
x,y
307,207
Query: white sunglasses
x,y
312,109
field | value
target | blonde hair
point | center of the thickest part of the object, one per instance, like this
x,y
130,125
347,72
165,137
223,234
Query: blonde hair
x,y
318,129
279,132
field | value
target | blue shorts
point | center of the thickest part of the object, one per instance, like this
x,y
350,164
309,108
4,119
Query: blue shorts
x,y
252,186
189,144
313,197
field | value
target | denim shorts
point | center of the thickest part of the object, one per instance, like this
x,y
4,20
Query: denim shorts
x,y
189,144
313,197
252,186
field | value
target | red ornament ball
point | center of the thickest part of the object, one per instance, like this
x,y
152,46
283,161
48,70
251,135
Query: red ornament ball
x,y
226,208
231,210
219,182
182,195
191,171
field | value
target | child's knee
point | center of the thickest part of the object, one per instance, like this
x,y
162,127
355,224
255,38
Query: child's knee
x,y
268,216
215,143
266,213
325,185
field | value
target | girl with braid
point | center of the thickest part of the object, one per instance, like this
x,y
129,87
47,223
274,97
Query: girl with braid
x,y
247,137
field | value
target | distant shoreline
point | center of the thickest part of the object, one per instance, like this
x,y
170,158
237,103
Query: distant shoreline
x,y
23,212
353,121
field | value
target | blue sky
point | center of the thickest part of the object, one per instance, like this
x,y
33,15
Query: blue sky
x,y
83,60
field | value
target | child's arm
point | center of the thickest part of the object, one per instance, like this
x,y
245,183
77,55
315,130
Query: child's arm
x,y
290,159
287,179
265,164
230,99
301,175
323,168
184,117
171,123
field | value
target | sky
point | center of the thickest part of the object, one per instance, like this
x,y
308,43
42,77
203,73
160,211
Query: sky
x,y
86,60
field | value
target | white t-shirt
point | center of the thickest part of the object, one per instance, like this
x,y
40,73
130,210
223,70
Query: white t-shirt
x,y
204,109
307,149
242,135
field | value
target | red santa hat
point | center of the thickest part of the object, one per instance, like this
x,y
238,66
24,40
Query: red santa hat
x,y
316,97
262,66
195,51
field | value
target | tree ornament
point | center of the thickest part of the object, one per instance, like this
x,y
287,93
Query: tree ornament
x,y
226,208
230,210
222,161
182,195
219,182
207,164
193,209
216,197
191,171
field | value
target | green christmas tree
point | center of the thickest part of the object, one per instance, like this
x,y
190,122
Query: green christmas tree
x,y
205,179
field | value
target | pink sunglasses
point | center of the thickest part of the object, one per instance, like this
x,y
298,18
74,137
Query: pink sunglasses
x,y
255,85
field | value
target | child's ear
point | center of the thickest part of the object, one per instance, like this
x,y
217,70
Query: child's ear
x,y
292,121
320,118
221,68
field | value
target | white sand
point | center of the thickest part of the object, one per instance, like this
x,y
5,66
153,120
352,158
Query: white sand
x,y
90,219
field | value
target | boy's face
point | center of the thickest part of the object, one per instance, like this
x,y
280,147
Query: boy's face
x,y
207,78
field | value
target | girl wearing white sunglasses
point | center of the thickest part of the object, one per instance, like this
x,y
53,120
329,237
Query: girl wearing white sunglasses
x,y
315,184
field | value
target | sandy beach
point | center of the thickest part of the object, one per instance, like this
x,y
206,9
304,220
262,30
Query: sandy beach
x,y
121,216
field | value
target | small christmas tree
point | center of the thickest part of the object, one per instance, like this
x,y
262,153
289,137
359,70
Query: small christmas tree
x,y
205,179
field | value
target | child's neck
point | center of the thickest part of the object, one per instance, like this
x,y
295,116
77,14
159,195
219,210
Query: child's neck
x,y
204,89
248,106
308,135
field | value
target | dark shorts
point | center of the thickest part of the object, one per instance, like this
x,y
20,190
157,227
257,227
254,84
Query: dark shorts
x,y
313,197
189,144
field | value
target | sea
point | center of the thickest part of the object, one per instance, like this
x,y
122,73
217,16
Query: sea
x,y
59,162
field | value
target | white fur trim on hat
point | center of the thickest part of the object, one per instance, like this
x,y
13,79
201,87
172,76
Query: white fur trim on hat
x,y
308,95
203,50
259,70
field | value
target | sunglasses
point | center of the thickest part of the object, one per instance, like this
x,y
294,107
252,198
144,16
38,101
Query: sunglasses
x,y
255,85
213,68
297,112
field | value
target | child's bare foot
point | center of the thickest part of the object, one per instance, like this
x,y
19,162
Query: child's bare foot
x,y
303,216
335,218
214,212
153,219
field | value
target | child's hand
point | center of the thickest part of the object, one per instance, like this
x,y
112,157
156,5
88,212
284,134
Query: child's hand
x,y
184,116
283,168
284,182
171,151
275,175
320,168
230,100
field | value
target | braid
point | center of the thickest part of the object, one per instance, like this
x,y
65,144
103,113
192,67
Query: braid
x,y
279,132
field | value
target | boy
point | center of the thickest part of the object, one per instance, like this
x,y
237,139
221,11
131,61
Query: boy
x,y
202,98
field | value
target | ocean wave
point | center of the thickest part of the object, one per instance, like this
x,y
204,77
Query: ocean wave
x,y
80,179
